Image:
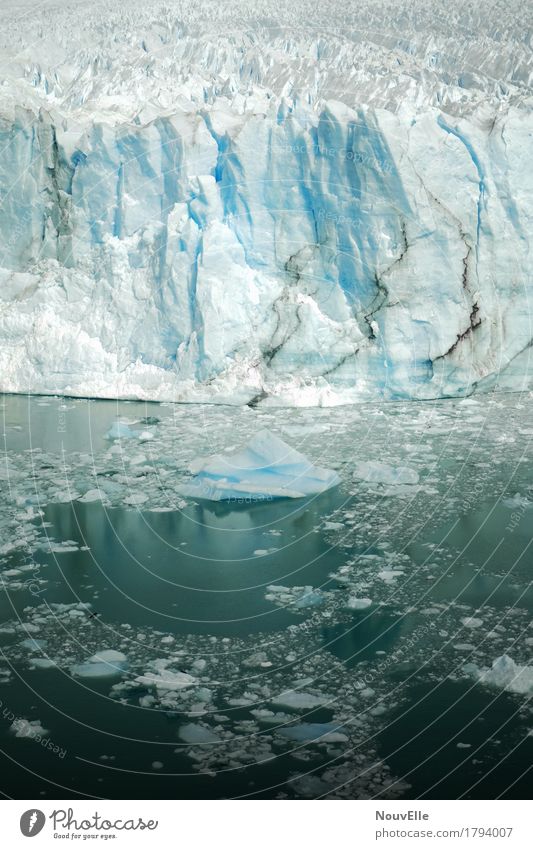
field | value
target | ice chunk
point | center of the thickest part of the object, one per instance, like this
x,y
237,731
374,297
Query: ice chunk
x,y
108,656
197,734
299,700
314,732
358,603
166,681
471,622
120,430
43,663
372,471
519,502
32,729
505,674
266,468
93,495
104,664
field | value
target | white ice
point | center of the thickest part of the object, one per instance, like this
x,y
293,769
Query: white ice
x,y
505,674
372,471
266,468
104,664
314,732
199,205
197,734
28,728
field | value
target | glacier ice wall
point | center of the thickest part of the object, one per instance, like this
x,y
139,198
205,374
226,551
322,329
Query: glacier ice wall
x,y
249,209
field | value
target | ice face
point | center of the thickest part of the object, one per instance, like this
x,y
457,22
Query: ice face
x,y
267,468
313,220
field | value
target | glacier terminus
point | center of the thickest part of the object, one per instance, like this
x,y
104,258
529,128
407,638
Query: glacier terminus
x,y
223,204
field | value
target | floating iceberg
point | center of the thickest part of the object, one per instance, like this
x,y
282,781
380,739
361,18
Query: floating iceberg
x,y
505,674
266,468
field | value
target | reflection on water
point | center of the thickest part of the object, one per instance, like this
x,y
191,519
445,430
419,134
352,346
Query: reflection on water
x,y
192,571
487,564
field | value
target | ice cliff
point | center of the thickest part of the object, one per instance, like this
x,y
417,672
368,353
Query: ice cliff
x,y
237,204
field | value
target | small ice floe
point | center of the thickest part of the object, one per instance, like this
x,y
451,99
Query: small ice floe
x,y
505,674
265,469
517,502
166,681
65,547
355,603
33,645
471,622
93,495
300,700
30,729
390,575
299,597
104,664
196,734
269,717
145,435
42,663
136,499
314,732
120,430
397,480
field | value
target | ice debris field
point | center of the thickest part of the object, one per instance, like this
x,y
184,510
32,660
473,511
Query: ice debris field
x,y
312,205
403,606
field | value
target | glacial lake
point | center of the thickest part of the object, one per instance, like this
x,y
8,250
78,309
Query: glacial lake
x,y
333,646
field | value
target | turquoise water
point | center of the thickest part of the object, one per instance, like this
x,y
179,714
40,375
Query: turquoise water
x,y
255,601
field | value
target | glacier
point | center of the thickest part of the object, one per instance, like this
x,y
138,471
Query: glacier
x,y
247,205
